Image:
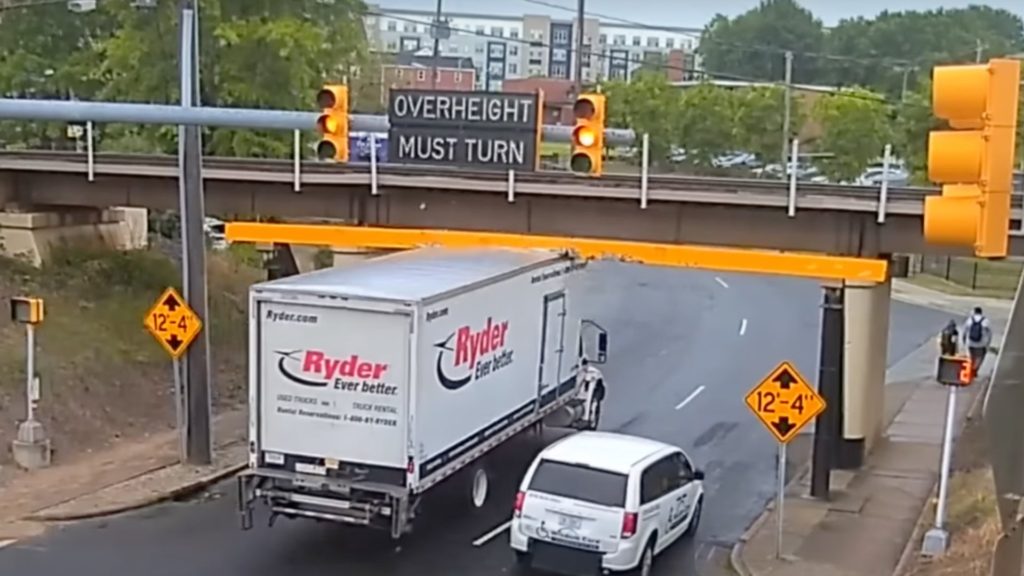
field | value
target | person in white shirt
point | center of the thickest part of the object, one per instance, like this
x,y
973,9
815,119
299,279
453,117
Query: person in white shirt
x,y
977,336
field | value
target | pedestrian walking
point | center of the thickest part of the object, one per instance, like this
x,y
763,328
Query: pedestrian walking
x,y
949,339
977,336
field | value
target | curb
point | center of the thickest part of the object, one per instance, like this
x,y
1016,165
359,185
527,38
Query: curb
x,y
736,561
193,487
736,553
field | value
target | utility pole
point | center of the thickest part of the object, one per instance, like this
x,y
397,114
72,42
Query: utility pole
x,y
786,112
979,49
578,73
437,46
906,77
196,365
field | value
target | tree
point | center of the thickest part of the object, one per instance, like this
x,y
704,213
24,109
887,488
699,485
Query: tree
x,y
760,114
40,57
856,126
914,120
648,104
752,45
706,123
254,54
877,53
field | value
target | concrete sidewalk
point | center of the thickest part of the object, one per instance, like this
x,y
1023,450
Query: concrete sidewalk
x,y
865,529
130,476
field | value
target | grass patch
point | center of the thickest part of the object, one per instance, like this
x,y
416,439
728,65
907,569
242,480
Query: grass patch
x,y
972,518
102,375
971,276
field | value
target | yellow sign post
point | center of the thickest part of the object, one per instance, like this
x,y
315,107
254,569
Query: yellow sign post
x,y
784,402
173,323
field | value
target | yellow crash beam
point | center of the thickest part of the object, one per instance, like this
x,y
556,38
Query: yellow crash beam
x,y
749,261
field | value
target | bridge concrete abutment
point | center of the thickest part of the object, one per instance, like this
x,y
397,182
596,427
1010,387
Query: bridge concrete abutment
x,y
865,353
33,234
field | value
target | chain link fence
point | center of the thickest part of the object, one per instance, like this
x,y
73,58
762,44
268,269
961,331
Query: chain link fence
x,y
973,273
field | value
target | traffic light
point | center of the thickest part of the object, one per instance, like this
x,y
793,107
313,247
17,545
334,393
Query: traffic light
x,y
333,123
588,135
26,310
974,160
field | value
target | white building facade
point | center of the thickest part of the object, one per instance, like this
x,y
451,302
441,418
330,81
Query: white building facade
x,y
506,47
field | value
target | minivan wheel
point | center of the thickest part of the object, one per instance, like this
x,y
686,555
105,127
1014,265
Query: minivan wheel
x,y
695,521
646,563
479,487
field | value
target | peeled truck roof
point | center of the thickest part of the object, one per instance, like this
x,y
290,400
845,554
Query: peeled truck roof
x,y
412,275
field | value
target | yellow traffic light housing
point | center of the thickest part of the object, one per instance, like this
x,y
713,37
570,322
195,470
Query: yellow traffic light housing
x,y
27,310
588,135
974,161
333,123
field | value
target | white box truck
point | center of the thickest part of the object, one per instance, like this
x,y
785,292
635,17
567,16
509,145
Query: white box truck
x,y
371,383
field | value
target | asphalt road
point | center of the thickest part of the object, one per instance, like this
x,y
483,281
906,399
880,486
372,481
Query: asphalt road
x,y
685,347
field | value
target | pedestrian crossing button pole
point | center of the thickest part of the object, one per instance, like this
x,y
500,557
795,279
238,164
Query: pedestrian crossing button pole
x,y
31,447
954,372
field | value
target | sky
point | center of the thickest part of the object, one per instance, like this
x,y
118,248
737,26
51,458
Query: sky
x,y
688,13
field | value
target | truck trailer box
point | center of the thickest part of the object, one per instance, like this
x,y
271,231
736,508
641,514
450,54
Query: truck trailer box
x,y
399,370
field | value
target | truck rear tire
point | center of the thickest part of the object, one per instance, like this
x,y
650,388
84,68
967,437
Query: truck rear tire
x,y
479,487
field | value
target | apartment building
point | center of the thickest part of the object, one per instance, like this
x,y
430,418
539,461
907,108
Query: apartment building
x,y
513,47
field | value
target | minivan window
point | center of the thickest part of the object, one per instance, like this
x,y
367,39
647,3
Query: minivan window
x,y
580,483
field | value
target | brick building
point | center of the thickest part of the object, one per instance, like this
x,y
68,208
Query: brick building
x,y
411,70
558,96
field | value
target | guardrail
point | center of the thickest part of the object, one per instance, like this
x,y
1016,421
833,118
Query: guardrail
x,y
883,200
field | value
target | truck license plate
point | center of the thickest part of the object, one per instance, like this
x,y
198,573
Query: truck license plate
x,y
303,483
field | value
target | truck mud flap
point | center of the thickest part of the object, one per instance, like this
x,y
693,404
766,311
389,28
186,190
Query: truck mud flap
x,y
247,486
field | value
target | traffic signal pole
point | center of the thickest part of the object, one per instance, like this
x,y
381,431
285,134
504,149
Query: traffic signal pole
x,y
196,366
828,427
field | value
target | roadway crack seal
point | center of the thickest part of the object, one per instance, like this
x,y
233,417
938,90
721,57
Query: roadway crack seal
x,y
187,489
736,562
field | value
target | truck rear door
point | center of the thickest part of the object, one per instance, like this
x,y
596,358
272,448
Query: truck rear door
x,y
333,383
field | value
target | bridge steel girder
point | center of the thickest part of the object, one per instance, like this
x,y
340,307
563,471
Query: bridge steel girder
x,y
816,228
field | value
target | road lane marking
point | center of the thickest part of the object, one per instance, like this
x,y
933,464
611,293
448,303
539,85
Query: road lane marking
x,y
492,534
6,543
690,398
720,281
743,327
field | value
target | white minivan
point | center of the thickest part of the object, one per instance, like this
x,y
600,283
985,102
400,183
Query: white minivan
x,y
599,502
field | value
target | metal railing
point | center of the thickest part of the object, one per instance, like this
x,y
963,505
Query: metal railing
x,y
974,273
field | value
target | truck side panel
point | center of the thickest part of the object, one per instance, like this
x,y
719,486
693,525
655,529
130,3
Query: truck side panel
x,y
333,385
479,359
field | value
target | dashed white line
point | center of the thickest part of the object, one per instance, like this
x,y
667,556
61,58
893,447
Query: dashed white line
x,y
690,398
6,543
492,534
743,327
720,281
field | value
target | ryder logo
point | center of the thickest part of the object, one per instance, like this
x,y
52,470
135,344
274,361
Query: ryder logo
x,y
474,354
318,369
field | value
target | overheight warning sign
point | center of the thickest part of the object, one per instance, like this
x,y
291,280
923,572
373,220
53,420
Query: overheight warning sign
x,y
784,402
489,130
173,323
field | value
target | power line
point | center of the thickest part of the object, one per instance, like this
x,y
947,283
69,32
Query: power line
x,y
892,62
604,56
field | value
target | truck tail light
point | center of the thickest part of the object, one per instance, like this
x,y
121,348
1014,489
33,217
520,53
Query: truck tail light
x,y
520,499
629,524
